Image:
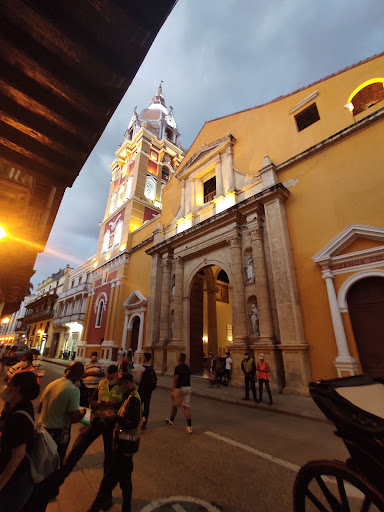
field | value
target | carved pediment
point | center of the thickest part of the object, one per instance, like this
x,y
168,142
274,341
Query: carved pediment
x,y
135,299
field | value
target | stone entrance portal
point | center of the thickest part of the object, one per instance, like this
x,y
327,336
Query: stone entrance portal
x,y
210,315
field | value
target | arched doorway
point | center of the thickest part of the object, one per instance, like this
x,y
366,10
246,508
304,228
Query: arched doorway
x,y
210,315
366,308
135,333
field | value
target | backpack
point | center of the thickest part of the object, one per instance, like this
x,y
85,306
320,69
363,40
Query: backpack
x,y
42,454
148,380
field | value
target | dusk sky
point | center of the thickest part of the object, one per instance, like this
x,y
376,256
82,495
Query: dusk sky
x,y
216,57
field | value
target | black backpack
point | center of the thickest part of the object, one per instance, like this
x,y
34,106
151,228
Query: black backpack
x,y
148,379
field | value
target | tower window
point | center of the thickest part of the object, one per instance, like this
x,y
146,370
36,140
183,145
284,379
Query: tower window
x,y
168,134
164,174
209,189
307,117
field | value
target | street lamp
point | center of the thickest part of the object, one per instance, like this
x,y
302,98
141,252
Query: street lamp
x,y
5,320
3,233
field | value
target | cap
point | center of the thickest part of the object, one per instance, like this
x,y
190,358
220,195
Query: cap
x,y
261,356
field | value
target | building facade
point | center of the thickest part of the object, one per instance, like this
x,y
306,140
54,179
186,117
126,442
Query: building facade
x,y
69,313
40,312
15,331
269,239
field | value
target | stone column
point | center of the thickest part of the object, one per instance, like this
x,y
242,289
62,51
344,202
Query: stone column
x,y
107,333
87,315
182,202
139,352
219,177
239,314
178,302
212,322
125,331
165,296
116,307
227,170
294,349
344,362
261,282
153,311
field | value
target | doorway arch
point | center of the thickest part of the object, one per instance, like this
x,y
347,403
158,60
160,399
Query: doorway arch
x,y
366,308
135,333
210,315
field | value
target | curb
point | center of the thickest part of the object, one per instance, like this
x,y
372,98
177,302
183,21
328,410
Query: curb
x,y
229,400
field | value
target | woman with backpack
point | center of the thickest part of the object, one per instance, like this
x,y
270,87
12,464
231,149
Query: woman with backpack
x,y
17,434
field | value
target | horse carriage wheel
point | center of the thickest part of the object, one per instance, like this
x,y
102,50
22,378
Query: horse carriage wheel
x,y
321,486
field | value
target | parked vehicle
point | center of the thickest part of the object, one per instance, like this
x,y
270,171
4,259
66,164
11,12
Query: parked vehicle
x,y
17,352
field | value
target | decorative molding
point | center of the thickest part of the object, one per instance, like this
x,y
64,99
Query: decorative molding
x,y
117,260
345,287
304,102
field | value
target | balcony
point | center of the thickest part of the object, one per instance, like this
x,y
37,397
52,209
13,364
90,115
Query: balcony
x,y
65,319
80,288
38,316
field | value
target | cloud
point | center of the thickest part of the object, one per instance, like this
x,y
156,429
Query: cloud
x,y
217,57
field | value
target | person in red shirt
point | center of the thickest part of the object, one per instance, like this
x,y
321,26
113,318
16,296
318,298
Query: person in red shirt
x,y
264,370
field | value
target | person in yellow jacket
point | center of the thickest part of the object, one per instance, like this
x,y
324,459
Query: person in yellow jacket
x,y
108,397
249,369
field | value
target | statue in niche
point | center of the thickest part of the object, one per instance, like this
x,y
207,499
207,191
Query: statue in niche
x,y
249,269
173,287
255,320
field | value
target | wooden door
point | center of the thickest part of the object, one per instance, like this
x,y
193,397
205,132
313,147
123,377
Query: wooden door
x,y
366,309
135,333
196,325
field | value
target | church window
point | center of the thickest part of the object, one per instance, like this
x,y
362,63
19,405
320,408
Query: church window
x,y
209,189
105,246
99,316
154,156
112,206
118,233
168,134
367,97
128,189
307,117
150,188
120,198
165,174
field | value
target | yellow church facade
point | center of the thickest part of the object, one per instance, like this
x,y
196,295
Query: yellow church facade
x,y
266,236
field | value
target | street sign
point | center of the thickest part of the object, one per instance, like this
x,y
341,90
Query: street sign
x,y
180,504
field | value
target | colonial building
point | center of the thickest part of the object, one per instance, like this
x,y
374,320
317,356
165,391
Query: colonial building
x,y
269,237
144,164
70,311
15,330
40,312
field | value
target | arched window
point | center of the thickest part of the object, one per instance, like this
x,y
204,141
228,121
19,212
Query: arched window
x,y
150,188
118,233
99,315
168,134
366,95
128,188
164,174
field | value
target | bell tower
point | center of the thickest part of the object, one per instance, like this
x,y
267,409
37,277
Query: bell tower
x,y
144,163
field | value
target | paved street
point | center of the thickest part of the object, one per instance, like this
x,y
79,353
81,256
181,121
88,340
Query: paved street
x,y
226,463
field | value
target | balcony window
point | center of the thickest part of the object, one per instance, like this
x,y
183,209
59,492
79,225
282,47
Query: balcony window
x,y
209,189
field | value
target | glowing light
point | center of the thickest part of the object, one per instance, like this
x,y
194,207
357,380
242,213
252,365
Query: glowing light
x,y
6,320
123,247
39,331
158,205
364,84
95,264
107,256
3,233
222,203
229,338
349,106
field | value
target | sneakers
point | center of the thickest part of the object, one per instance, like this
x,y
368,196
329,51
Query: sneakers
x,y
188,430
169,422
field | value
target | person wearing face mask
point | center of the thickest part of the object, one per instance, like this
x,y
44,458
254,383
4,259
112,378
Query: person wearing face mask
x,y
17,433
264,370
25,365
93,372
108,396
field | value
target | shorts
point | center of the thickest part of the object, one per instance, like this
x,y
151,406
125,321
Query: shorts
x,y
182,396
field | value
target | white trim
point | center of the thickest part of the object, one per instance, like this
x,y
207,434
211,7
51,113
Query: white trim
x,y
304,102
344,288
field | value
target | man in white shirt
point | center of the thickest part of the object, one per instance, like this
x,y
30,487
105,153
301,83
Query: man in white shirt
x,y
228,367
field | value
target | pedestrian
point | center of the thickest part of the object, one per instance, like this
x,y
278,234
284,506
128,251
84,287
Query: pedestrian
x,y
16,485
249,369
126,444
181,393
108,396
93,372
60,407
4,352
212,369
147,379
264,370
25,365
120,356
228,368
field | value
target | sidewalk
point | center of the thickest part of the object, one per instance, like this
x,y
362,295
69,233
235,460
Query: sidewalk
x,y
301,406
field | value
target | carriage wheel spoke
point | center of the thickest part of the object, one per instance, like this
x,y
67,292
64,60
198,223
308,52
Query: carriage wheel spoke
x,y
315,501
343,495
366,505
335,505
